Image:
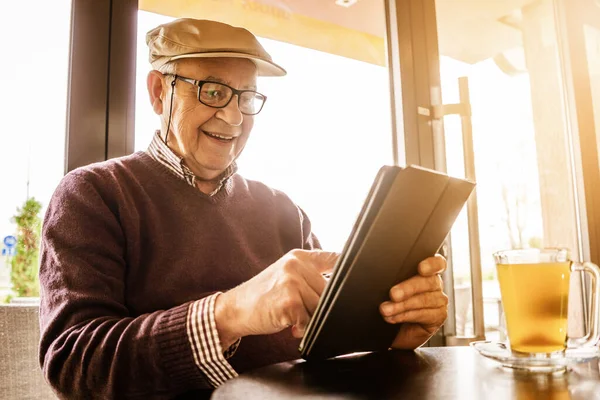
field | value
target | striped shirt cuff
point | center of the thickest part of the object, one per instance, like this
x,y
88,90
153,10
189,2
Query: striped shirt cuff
x,y
205,343
232,349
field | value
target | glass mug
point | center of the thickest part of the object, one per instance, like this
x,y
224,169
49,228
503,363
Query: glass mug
x,y
534,286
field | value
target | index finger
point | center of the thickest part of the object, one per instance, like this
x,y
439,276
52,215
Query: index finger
x,y
316,263
432,265
323,261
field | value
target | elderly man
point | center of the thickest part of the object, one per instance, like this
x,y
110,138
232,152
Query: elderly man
x,y
166,273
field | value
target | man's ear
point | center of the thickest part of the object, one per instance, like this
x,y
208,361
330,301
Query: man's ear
x,y
156,90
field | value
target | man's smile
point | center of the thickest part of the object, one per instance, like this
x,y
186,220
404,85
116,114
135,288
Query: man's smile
x,y
218,136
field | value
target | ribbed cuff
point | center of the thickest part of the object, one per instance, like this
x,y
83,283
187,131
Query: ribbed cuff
x,y
205,343
174,349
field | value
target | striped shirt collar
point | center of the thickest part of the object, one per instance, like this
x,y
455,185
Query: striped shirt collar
x,y
160,152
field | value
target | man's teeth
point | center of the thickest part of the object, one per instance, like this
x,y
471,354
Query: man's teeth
x,y
218,136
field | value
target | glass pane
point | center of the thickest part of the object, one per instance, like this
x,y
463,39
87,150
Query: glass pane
x,y
321,136
34,84
508,52
592,41
322,150
33,77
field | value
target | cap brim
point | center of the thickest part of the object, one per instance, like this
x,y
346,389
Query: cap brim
x,y
264,67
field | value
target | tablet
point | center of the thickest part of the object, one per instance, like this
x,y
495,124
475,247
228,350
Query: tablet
x,y
405,218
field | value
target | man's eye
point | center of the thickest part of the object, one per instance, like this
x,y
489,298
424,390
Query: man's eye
x,y
213,94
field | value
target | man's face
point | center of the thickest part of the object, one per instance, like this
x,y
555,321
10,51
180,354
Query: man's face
x,y
194,125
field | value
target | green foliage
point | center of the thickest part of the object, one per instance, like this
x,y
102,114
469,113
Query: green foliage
x,y
536,242
486,275
24,267
489,275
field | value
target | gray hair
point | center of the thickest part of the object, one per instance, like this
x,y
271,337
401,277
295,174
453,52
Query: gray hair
x,y
168,68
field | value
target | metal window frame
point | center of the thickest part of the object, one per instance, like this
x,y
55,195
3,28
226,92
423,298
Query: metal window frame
x,y
571,17
101,91
413,49
101,87
101,81
579,102
414,59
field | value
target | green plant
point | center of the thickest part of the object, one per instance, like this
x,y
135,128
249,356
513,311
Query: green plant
x,y
24,266
488,275
536,242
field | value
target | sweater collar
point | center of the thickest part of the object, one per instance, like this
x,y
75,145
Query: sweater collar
x,y
163,154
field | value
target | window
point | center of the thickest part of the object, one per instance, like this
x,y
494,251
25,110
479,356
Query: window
x,y
33,77
592,39
34,86
524,171
324,131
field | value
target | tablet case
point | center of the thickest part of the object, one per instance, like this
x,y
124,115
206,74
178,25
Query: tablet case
x,y
405,218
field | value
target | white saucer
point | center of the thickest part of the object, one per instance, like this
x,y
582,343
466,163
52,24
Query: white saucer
x,y
501,352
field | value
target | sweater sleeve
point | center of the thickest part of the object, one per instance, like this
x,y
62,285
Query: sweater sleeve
x,y
309,239
90,346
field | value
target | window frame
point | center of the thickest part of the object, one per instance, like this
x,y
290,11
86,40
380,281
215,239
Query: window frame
x,y
101,81
101,97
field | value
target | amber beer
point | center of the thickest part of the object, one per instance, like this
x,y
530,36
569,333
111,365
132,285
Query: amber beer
x,y
535,297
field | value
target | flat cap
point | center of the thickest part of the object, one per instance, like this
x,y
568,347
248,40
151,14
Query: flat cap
x,y
195,38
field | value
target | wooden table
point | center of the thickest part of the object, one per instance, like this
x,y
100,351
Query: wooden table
x,y
428,373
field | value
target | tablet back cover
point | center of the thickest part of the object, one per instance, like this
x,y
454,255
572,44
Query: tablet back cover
x,y
401,224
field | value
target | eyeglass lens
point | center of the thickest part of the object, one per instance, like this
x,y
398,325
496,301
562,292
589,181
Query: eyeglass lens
x,y
218,95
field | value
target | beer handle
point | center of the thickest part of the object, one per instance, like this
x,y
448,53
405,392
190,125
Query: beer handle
x,y
593,334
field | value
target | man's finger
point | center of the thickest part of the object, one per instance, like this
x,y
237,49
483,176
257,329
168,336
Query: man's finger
x,y
310,300
310,294
314,280
311,272
298,331
425,317
324,261
298,310
423,300
300,326
432,265
415,285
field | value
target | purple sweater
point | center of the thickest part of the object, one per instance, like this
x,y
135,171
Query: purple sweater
x,y
126,246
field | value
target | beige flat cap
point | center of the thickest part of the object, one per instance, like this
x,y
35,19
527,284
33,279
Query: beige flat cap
x,y
194,38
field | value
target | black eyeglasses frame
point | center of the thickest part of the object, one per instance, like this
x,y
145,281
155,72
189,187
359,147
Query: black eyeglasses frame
x,y
234,91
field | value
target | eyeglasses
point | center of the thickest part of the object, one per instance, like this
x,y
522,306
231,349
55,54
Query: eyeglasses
x,y
219,95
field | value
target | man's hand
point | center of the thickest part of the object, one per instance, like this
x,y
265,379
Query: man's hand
x,y
284,295
419,304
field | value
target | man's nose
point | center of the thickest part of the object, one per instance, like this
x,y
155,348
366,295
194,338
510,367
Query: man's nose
x,y
231,113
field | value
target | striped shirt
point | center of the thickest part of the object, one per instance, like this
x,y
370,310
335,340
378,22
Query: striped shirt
x,y
201,328
167,157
